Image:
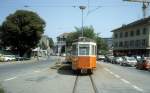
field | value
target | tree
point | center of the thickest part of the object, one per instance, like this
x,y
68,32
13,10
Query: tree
x,y
51,42
102,47
22,31
87,32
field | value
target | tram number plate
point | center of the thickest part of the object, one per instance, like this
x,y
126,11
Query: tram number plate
x,y
83,70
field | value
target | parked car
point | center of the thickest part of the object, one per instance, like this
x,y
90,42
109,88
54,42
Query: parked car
x,y
117,60
129,61
18,58
138,58
147,66
63,54
100,57
109,59
8,58
144,64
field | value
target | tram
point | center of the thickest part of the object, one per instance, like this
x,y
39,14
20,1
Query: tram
x,y
83,56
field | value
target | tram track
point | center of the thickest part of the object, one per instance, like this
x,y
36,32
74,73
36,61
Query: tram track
x,y
77,84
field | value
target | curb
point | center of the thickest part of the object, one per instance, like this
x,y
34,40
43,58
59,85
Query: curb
x,y
25,61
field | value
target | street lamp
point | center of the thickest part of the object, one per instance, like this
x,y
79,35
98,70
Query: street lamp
x,y
82,8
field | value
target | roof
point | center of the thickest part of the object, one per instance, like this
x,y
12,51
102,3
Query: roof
x,y
135,23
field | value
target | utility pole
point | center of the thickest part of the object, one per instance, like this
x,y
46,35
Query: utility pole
x,y
82,8
144,7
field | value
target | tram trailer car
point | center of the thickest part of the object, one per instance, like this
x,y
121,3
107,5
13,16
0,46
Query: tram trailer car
x,y
84,55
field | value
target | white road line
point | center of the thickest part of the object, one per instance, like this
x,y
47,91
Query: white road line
x,y
125,81
137,88
117,76
106,69
111,72
10,78
37,71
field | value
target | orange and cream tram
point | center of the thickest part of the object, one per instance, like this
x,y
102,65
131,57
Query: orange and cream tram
x,y
83,55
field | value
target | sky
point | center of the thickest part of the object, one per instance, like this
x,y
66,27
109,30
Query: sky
x,y
62,16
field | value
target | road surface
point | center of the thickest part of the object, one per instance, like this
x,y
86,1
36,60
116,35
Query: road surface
x,y
47,77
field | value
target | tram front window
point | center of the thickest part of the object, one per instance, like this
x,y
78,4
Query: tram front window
x,y
83,49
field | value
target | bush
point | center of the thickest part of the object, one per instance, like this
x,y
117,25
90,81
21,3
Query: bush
x,y
1,89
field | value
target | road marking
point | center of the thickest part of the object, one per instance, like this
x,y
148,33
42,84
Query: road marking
x,y
37,71
111,72
10,79
125,81
137,88
106,69
117,76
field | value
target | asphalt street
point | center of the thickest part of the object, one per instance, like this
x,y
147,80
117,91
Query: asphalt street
x,y
47,77
21,68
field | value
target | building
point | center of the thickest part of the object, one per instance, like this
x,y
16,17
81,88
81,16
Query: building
x,y
61,43
43,48
133,38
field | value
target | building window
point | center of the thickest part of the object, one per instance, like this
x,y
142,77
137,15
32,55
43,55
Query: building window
x,y
115,44
144,31
132,33
120,44
120,34
132,43
116,35
139,43
143,42
138,32
136,43
126,44
126,34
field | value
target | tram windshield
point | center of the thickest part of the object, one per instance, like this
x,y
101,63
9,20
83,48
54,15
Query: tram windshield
x,y
83,49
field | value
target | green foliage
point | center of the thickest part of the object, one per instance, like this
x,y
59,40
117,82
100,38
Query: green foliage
x,y
88,32
22,30
71,37
1,89
51,42
102,47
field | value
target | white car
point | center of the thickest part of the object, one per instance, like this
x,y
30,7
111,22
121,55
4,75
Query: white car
x,y
100,57
8,57
131,61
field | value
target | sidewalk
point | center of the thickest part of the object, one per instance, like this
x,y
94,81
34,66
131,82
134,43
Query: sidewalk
x,y
25,61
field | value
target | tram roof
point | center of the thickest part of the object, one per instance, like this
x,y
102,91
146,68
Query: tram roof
x,y
84,39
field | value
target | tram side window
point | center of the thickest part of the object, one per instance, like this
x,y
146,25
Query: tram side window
x,y
84,49
74,50
93,50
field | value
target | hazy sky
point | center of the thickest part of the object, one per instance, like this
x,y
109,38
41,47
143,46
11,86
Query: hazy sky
x,y
60,15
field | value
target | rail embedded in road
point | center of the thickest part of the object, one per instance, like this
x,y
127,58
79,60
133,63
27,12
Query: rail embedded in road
x,y
77,84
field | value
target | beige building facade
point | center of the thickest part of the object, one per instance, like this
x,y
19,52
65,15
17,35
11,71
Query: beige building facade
x,y
132,39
